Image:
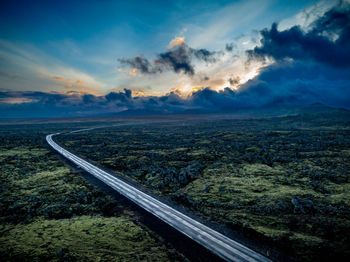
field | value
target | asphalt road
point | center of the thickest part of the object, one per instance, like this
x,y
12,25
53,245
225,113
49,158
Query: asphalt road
x,y
214,241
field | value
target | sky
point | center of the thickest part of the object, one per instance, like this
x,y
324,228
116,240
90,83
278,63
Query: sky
x,y
78,58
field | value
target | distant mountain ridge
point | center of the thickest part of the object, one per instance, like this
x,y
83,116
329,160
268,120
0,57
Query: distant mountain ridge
x,y
315,108
318,108
311,109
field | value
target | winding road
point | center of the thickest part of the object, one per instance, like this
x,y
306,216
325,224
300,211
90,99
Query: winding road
x,y
214,241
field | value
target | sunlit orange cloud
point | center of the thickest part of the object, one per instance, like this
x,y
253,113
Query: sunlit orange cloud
x,y
195,85
81,92
137,93
83,84
196,88
59,78
131,73
183,89
71,93
178,91
176,41
187,90
56,77
88,90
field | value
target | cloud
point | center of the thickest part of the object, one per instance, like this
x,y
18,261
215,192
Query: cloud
x,y
119,96
277,86
15,100
80,85
36,70
234,81
133,72
309,66
229,47
179,60
305,66
176,41
140,63
296,83
327,42
41,104
205,55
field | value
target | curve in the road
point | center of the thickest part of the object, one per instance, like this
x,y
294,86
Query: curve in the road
x,y
214,241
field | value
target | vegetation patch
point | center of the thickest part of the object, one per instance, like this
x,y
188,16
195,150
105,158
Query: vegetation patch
x,y
285,180
83,238
49,212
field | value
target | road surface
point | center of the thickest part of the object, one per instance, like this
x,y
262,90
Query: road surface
x,y
214,241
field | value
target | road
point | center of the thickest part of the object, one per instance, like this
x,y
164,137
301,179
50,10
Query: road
x,y
214,241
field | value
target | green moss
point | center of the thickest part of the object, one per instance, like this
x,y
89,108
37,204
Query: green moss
x,y
274,233
22,152
254,174
50,213
340,193
260,169
86,239
310,240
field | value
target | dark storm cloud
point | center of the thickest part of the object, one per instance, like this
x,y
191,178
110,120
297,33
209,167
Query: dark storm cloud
x,y
178,59
214,100
279,85
327,42
334,22
204,55
309,67
88,99
41,104
43,97
288,83
229,47
141,63
119,96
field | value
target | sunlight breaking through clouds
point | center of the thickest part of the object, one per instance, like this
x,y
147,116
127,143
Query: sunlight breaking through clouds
x,y
176,41
228,54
